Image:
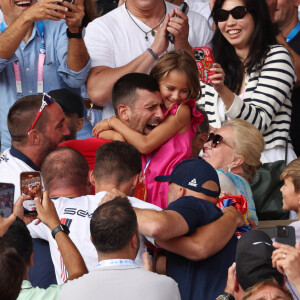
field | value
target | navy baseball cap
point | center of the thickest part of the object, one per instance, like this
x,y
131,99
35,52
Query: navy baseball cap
x,y
192,173
69,101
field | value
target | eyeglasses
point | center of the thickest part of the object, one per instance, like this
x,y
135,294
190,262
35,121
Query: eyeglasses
x,y
46,100
237,13
216,140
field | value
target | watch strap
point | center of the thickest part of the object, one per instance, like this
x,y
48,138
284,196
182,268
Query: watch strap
x,y
225,296
77,35
60,227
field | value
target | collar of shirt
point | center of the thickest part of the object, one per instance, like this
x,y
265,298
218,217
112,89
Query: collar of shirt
x,y
16,153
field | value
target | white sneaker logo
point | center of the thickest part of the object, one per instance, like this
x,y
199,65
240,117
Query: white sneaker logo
x,y
193,183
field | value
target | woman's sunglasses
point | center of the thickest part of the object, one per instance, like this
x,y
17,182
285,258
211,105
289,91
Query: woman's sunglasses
x,y
237,13
215,140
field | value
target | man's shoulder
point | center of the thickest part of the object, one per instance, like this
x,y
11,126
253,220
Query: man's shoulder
x,y
113,15
137,203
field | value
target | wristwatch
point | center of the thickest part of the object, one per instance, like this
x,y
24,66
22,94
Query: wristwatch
x,y
77,35
60,227
225,296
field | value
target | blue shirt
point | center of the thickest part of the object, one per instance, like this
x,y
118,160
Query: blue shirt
x,y
205,279
55,71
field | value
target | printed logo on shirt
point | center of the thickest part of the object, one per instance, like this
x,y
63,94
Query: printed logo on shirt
x,y
193,183
3,158
74,211
66,222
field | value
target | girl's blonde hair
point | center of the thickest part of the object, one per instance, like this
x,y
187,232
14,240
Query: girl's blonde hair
x,y
181,61
292,170
249,143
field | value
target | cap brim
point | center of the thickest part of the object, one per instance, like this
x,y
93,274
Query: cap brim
x,y
163,178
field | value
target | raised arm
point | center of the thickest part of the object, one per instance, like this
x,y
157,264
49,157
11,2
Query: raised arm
x,y
159,135
208,239
161,225
72,258
102,78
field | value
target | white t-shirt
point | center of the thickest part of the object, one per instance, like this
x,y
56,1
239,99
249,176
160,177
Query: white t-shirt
x,y
76,213
11,166
201,7
114,40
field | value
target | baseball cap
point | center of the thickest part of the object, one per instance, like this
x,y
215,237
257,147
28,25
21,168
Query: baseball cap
x,y
69,101
254,259
192,173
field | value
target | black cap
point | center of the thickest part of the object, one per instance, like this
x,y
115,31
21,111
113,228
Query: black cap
x,y
69,101
254,259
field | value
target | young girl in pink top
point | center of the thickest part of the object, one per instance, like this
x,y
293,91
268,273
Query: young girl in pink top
x,y
171,141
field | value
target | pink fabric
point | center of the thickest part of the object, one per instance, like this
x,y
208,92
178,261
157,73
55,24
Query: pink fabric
x,y
165,158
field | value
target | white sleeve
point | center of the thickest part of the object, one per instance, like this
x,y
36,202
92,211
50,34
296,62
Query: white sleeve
x,y
40,231
98,40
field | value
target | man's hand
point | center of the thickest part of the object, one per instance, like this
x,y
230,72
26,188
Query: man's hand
x,y
46,211
18,210
5,223
287,259
45,9
161,42
179,26
74,15
230,279
111,195
236,215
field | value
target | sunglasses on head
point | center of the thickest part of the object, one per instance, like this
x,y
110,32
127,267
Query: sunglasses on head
x,y
46,100
237,13
216,139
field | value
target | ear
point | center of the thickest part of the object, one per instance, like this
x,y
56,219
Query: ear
x,y
135,180
34,136
80,122
92,177
238,161
181,191
124,112
134,241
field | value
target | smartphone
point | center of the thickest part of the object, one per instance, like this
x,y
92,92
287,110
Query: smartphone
x,y
205,61
185,9
31,185
285,235
7,194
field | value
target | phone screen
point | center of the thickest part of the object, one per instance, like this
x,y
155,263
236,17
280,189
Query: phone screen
x,y
7,191
31,185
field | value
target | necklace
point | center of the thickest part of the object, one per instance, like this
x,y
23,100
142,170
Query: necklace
x,y
153,29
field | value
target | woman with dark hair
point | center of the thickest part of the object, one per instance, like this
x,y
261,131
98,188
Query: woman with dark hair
x,y
254,76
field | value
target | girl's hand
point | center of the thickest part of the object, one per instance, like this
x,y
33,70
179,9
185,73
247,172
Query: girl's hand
x,y
101,126
218,78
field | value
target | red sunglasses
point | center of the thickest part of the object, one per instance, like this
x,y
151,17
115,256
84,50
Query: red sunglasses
x,y
46,100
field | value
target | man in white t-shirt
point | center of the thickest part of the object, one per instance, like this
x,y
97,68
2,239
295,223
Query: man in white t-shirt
x,y
117,165
130,39
31,142
114,232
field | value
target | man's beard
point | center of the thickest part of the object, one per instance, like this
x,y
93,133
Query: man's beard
x,y
71,136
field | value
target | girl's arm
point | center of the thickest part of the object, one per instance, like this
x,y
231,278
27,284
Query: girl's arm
x,y
180,122
111,135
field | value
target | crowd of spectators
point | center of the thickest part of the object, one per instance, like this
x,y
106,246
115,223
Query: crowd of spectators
x,y
146,169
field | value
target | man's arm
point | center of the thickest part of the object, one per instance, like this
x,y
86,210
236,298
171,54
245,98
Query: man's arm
x,y
102,78
77,55
11,38
72,258
162,225
208,239
295,57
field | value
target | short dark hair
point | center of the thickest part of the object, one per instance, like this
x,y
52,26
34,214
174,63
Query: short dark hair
x,y
64,167
117,161
19,238
112,225
125,89
21,116
204,126
12,271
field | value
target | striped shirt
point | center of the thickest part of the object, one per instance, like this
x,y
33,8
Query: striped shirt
x,y
267,99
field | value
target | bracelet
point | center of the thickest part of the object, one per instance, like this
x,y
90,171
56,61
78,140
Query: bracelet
x,y
108,122
154,55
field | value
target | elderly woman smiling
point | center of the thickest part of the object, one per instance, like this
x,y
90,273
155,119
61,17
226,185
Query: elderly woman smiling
x,y
234,150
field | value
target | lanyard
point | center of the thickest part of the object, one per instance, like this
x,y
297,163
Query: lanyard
x,y
42,55
293,33
116,262
146,167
